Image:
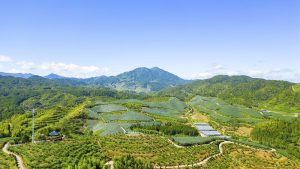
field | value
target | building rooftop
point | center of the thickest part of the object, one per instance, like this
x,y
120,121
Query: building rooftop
x,y
204,128
211,133
53,133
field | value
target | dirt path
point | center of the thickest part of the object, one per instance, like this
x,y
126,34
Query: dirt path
x,y
176,145
202,162
17,157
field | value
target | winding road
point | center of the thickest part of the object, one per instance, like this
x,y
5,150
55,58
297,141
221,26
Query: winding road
x,y
17,157
110,163
202,162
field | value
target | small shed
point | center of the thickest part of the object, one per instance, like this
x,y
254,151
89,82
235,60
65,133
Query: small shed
x,y
53,133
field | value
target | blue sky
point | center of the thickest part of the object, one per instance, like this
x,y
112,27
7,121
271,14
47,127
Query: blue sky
x,y
191,38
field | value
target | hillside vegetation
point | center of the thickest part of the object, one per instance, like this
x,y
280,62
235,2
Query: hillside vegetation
x,y
279,134
250,92
96,125
139,80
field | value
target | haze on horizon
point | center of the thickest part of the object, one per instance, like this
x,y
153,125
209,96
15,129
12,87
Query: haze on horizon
x,y
192,39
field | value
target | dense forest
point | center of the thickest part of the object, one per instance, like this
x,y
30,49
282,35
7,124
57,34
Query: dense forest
x,y
279,134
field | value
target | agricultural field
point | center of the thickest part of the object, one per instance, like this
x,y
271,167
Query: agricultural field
x,y
106,108
104,129
97,125
173,103
113,128
63,154
161,112
155,149
192,140
111,117
6,161
227,113
172,108
129,115
236,156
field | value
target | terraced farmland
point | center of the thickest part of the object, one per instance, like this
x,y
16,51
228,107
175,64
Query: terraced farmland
x,y
52,116
58,155
129,115
224,112
105,108
236,156
113,128
111,116
172,104
156,149
162,112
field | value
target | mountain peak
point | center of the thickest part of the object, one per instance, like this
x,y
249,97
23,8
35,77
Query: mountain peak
x,y
54,76
156,68
155,78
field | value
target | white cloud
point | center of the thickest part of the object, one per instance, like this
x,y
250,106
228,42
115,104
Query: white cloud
x,y
5,58
202,75
255,72
272,74
217,67
69,70
25,65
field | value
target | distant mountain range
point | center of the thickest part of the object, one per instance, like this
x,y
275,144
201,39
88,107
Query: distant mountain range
x,y
139,80
21,75
54,76
251,92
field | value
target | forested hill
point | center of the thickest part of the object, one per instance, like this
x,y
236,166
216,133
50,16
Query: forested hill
x,y
16,91
244,90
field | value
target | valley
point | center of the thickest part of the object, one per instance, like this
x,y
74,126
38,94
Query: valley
x,y
149,84
94,126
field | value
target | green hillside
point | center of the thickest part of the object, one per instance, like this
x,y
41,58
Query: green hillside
x,y
250,92
281,134
97,125
142,80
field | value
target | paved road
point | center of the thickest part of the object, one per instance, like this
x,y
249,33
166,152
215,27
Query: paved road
x,y
18,158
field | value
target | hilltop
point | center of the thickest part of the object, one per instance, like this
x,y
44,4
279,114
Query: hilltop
x,y
138,80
